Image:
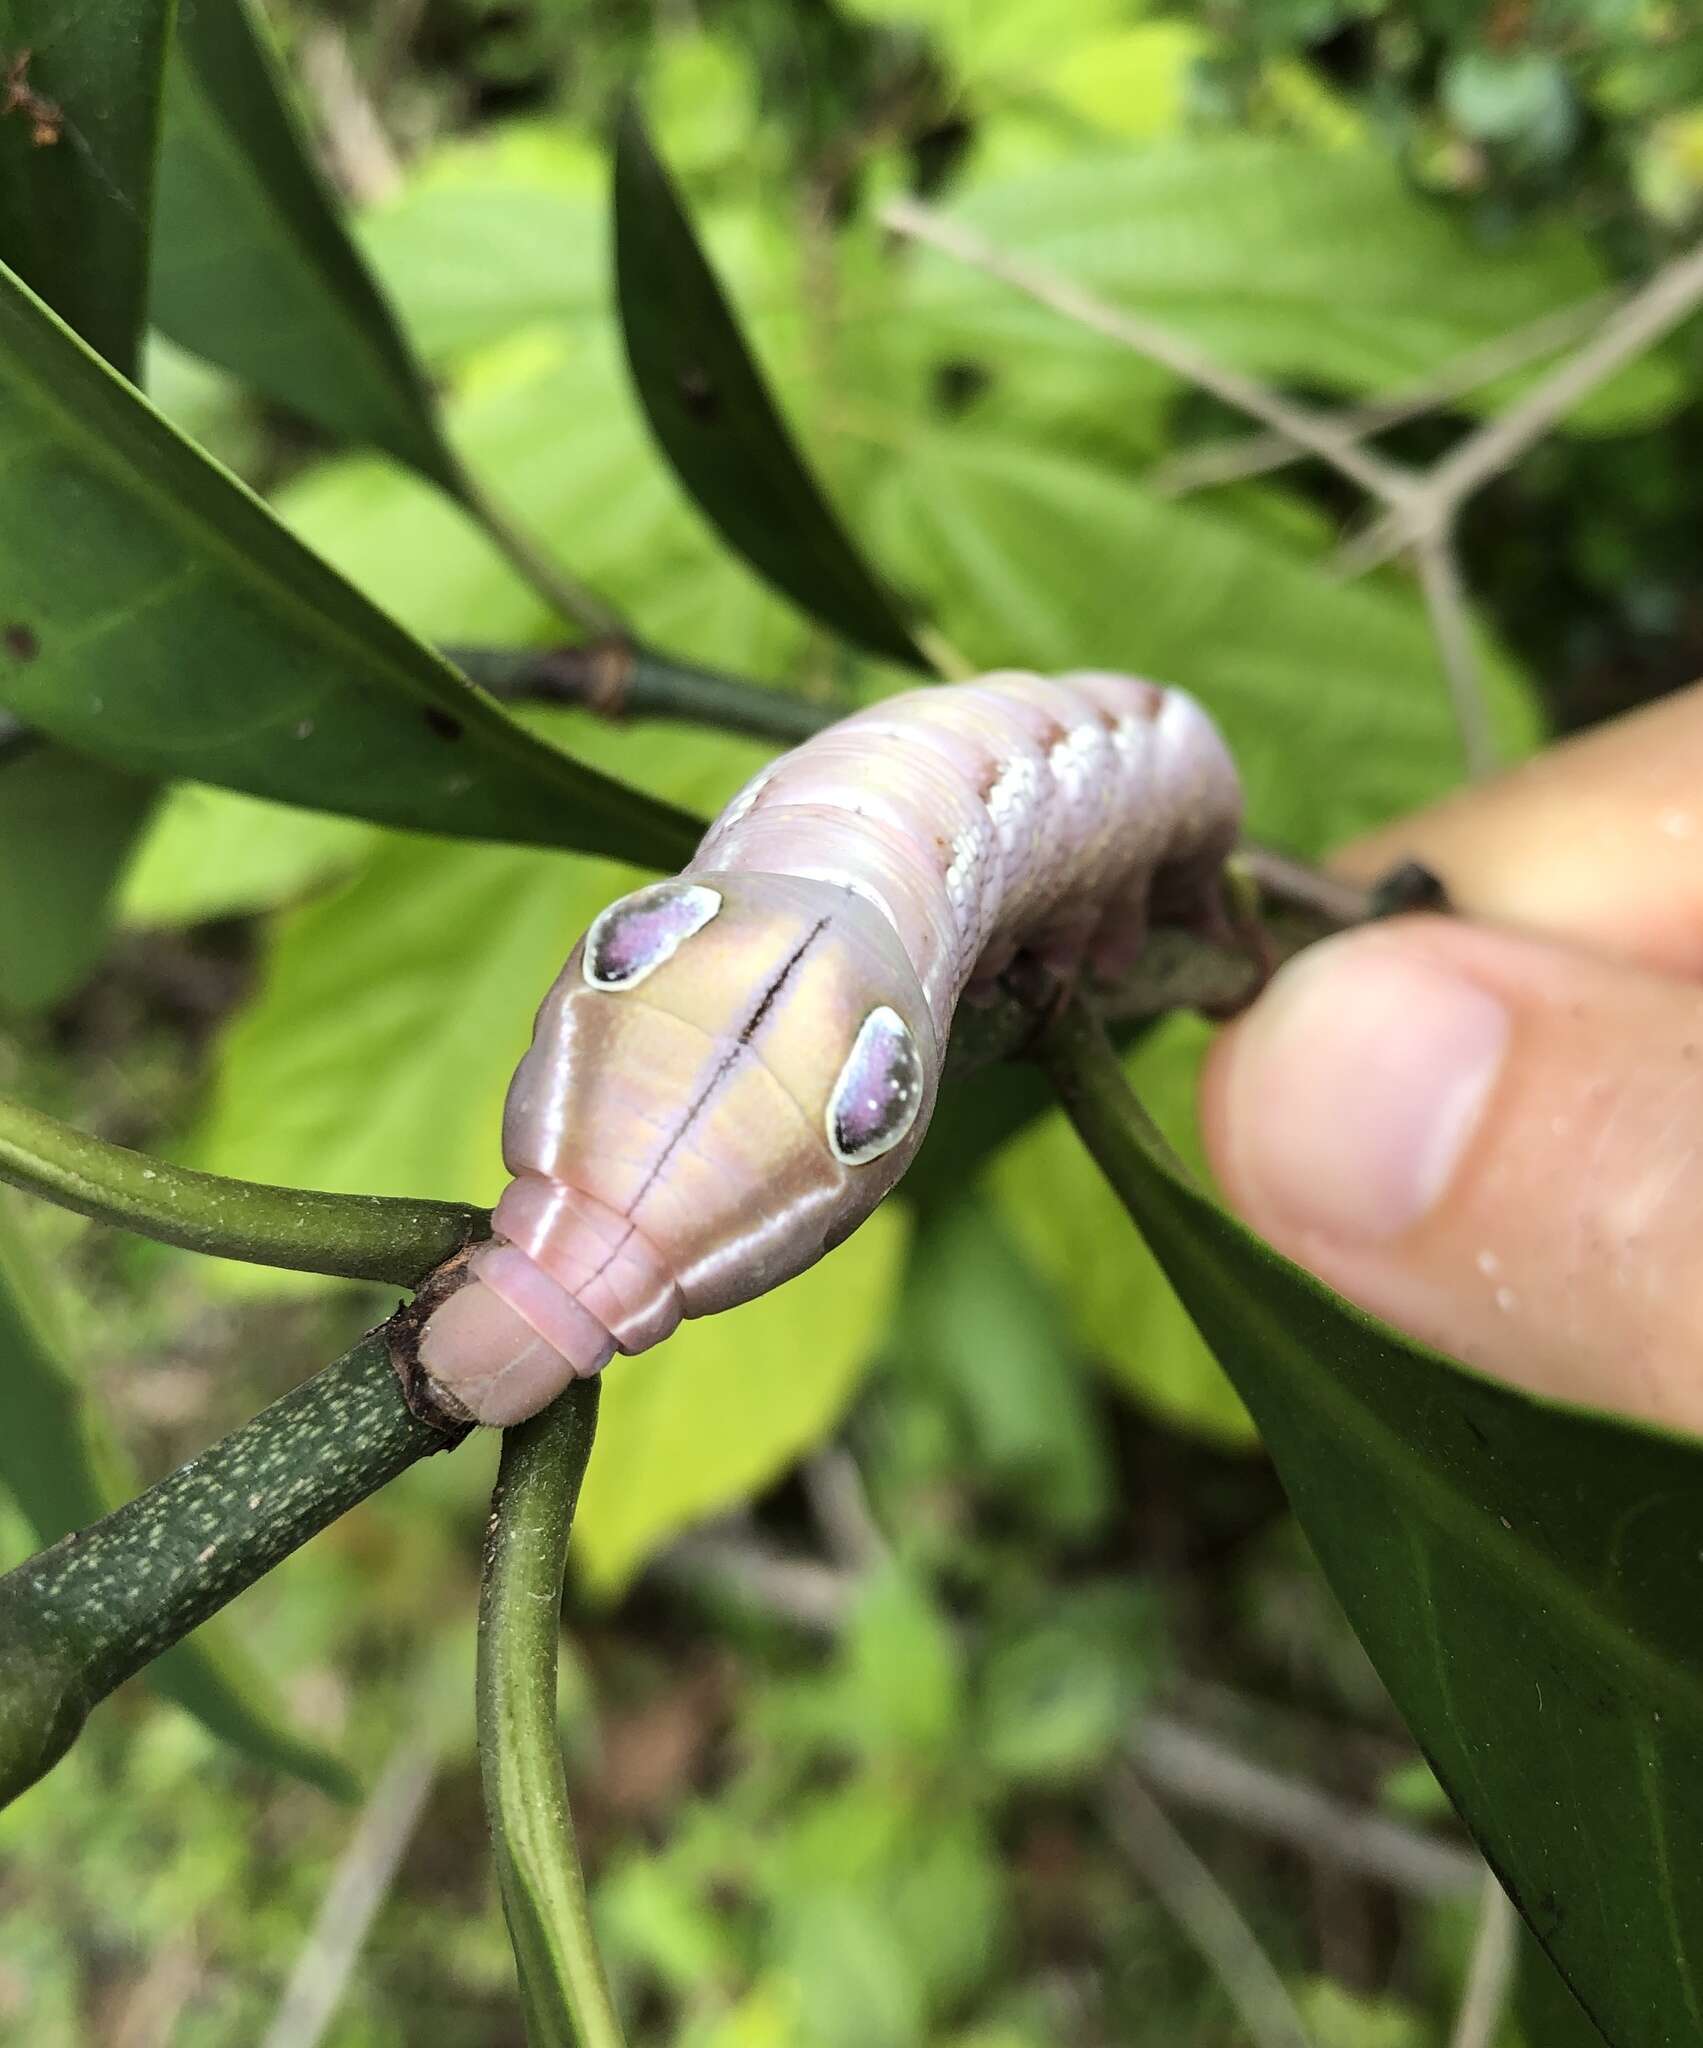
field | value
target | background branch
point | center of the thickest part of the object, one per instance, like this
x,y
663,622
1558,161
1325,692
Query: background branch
x,y
1490,1973
364,1875
1634,326
1318,433
1206,1914
1228,462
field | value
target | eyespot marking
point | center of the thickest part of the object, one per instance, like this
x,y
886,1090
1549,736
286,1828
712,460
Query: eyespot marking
x,y
634,937
879,1091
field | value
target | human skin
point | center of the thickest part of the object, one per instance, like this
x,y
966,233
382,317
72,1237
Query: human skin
x,y
1488,1128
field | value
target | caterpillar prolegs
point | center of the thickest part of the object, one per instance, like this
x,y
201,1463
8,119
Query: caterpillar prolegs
x,y
735,1066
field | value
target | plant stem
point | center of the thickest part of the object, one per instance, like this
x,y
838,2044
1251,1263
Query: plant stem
x,y
564,1993
358,1237
617,679
570,599
90,1611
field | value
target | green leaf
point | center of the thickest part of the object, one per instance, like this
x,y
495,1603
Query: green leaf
x,y
246,661
62,1464
503,229
77,159
1057,1698
1284,258
1331,695
254,268
637,536
1522,1575
212,853
715,420
66,828
978,1323
76,205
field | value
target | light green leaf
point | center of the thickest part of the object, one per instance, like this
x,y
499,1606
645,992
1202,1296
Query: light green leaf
x,y
62,1464
1115,1301
212,853
496,232
1057,1698
1331,695
636,537
247,661
1295,261
254,268
730,1401
978,1324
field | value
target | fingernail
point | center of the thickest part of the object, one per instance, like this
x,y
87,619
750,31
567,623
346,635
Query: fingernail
x,y
1356,1085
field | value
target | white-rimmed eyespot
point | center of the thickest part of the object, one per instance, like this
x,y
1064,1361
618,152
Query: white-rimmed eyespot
x,y
634,937
879,1090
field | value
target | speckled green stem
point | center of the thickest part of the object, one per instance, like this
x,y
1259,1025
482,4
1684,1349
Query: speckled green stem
x,y
564,1993
360,1237
617,679
86,1614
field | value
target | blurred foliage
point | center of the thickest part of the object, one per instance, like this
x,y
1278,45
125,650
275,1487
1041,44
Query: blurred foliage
x,y
902,1830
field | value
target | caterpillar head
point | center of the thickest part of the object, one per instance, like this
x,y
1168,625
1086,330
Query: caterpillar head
x,y
729,1074
727,1059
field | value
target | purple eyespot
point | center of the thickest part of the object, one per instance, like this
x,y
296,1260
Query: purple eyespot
x,y
879,1091
635,936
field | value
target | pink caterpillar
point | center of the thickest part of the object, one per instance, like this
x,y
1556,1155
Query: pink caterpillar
x,y
735,1066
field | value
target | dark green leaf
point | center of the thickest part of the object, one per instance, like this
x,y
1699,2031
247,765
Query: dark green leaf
x,y
77,142
254,268
154,614
714,417
65,1469
1523,1575
66,826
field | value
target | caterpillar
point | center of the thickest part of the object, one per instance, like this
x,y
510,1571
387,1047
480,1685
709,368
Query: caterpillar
x,y
736,1065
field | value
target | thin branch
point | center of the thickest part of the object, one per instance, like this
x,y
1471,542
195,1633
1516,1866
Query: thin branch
x,y
1636,325
564,1994
1451,627
359,1237
619,680
839,1506
1201,1771
364,1875
1318,433
1206,1914
1490,1974
1227,462
357,148
573,601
